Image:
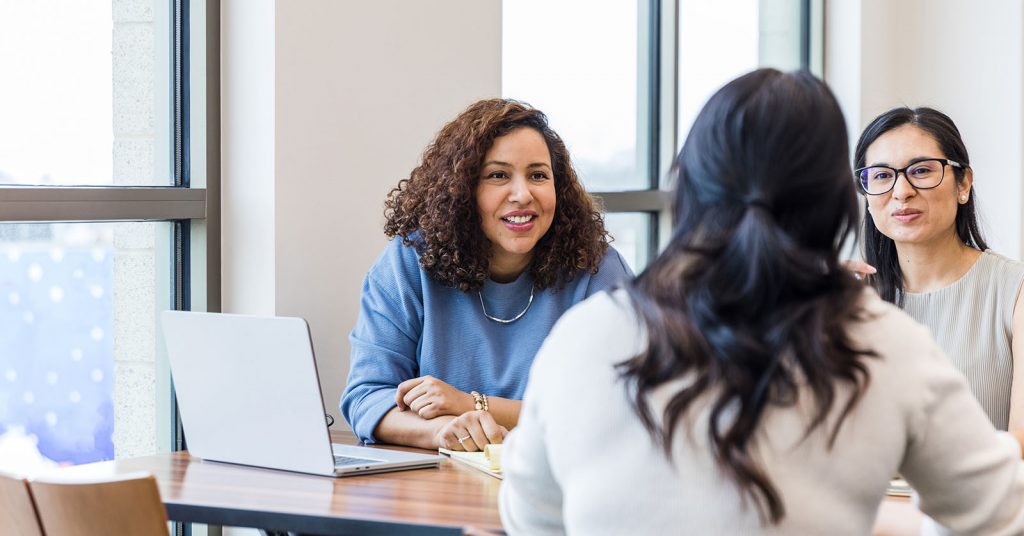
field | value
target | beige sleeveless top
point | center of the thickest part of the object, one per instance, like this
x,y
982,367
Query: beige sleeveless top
x,y
971,320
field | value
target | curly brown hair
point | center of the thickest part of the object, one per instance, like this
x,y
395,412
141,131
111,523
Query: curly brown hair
x,y
434,210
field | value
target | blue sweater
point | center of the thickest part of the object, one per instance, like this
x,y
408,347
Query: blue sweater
x,y
409,326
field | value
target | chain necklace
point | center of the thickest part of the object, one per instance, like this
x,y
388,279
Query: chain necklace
x,y
504,320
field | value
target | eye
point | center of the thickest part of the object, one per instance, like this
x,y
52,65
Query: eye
x,y
538,176
497,175
924,169
880,174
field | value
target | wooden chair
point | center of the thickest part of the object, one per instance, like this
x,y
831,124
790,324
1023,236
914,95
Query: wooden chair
x,y
17,512
128,504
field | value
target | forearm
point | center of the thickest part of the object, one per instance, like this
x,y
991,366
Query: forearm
x,y
505,411
408,428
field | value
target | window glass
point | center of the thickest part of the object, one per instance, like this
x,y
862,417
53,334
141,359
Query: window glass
x,y
79,95
631,233
78,379
576,60
743,35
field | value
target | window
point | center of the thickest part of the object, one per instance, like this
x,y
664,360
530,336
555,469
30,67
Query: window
x,y
587,66
743,35
77,332
621,82
100,203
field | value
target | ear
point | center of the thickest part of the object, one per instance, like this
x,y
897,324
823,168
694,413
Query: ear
x,y
963,188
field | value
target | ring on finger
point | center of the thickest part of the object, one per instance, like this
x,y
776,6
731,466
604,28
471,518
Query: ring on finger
x,y
461,439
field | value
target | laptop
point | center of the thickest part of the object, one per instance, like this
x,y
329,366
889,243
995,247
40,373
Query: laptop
x,y
248,393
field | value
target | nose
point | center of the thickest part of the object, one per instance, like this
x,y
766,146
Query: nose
x,y
903,189
519,191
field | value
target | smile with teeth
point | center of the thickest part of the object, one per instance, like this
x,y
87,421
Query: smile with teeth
x,y
518,220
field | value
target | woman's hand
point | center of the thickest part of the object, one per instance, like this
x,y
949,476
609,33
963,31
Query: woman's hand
x,y
860,269
430,397
471,432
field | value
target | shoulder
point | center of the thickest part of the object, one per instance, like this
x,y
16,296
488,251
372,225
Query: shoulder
x,y
1008,272
612,271
1001,266
601,330
907,362
397,254
882,324
398,265
614,263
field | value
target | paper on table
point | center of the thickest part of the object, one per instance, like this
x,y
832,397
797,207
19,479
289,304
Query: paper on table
x,y
488,461
898,488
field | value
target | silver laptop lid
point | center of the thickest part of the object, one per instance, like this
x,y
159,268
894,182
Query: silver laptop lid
x,y
248,390
248,393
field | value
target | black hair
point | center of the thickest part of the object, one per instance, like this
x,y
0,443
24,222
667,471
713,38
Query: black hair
x,y
749,298
880,250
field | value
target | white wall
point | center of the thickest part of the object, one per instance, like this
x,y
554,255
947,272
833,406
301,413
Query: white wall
x,y
356,90
248,235
964,57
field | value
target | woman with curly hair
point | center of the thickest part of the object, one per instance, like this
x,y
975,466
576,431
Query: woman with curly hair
x,y
497,239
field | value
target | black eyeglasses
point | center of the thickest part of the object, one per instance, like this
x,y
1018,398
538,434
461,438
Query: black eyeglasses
x,y
922,175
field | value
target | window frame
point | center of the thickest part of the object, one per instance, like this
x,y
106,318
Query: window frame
x,y
658,77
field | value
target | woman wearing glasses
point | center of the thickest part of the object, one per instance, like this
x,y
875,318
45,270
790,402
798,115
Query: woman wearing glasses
x,y
493,238
922,237
745,383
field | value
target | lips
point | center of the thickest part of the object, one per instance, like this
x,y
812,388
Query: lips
x,y
519,221
906,215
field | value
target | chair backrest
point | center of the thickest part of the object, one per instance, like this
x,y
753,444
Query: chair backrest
x,y
127,504
17,512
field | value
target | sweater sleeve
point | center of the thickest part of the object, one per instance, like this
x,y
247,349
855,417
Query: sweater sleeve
x,y
384,343
969,477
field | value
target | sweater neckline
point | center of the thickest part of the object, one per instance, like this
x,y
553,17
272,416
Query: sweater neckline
x,y
955,284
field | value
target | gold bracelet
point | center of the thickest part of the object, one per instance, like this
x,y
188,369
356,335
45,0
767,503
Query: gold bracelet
x,y
479,401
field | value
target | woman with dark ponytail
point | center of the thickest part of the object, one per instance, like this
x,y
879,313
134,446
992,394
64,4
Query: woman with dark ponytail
x,y
746,383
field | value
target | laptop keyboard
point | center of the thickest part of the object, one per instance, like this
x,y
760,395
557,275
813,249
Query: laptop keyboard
x,y
345,461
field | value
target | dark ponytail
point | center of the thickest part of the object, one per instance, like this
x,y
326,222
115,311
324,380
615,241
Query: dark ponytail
x,y
749,295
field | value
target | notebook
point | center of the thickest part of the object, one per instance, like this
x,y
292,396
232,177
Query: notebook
x,y
488,461
248,393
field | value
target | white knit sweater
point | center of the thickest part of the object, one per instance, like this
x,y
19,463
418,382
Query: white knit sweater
x,y
580,462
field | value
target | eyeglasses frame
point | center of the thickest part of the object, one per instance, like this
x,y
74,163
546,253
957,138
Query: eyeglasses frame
x,y
903,170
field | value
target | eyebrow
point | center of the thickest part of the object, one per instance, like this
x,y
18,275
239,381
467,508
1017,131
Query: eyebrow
x,y
911,162
506,164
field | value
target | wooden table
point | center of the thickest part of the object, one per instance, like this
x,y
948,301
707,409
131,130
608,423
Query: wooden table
x,y
445,501
442,501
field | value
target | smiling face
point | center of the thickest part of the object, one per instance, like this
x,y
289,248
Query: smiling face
x,y
515,199
905,214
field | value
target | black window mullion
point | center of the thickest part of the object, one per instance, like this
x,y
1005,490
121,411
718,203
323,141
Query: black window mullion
x,y
180,269
654,94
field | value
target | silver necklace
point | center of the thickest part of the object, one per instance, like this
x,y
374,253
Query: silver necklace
x,y
504,320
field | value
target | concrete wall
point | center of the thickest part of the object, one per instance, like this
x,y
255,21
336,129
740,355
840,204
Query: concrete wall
x,y
964,57
325,106
136,38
